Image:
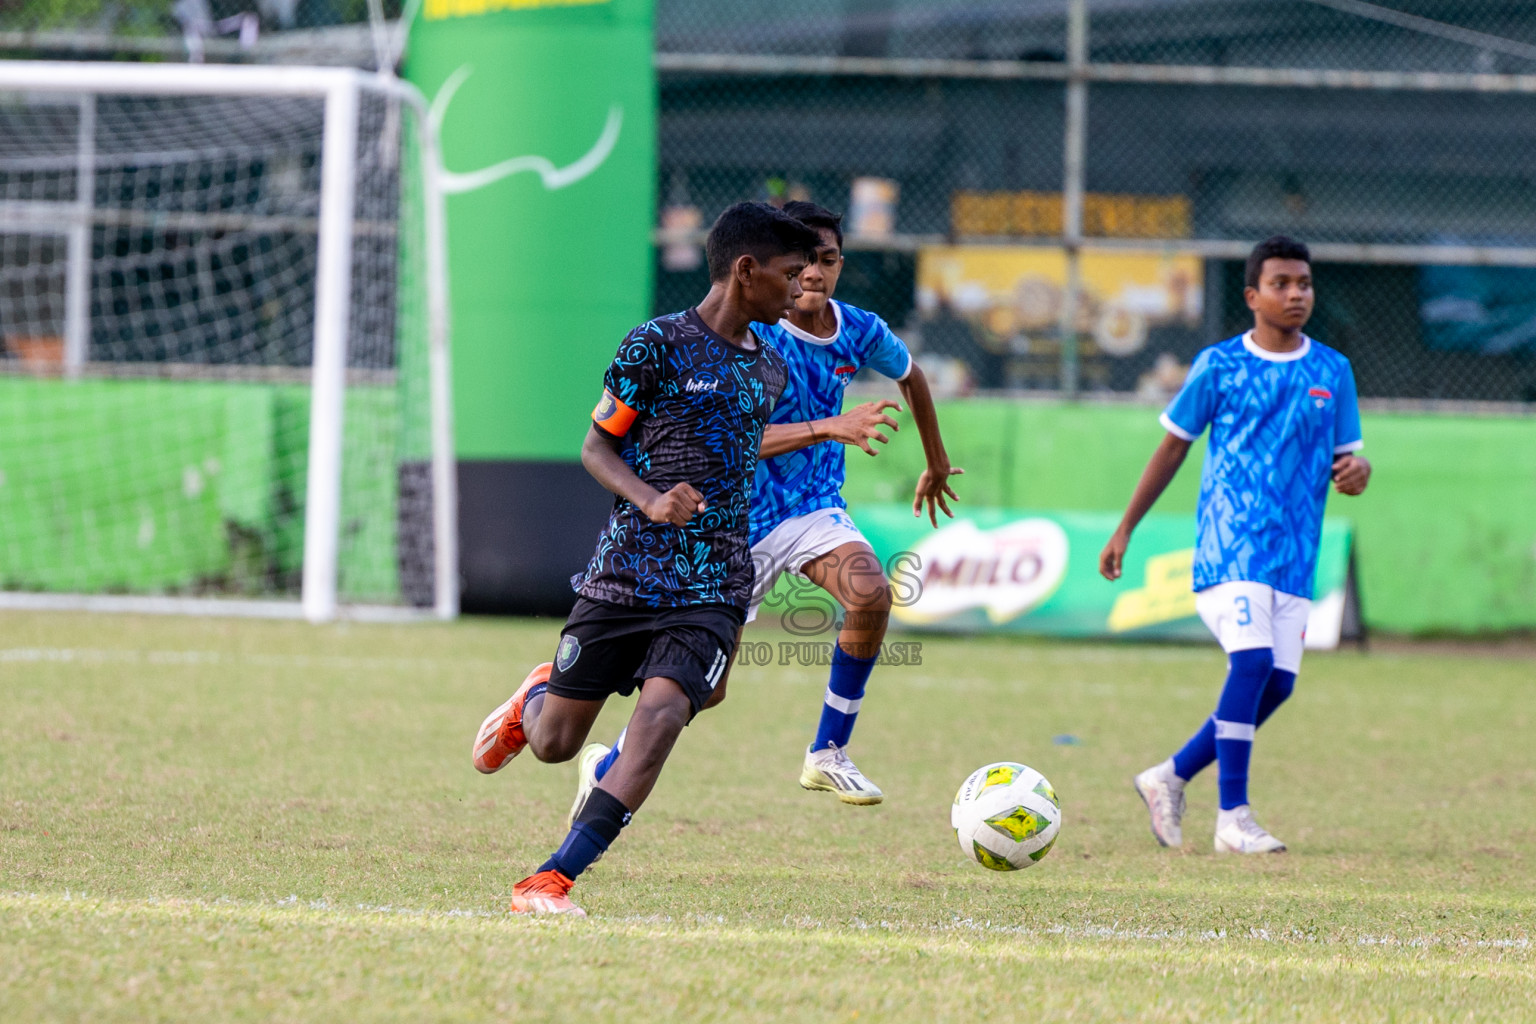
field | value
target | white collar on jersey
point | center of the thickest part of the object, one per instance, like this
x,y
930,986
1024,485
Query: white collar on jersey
x,y
807,336
1277,357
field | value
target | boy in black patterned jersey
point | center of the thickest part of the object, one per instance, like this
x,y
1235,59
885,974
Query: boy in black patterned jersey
x,y
661,603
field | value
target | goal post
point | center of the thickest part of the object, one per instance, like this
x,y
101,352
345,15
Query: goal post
x,y
223,304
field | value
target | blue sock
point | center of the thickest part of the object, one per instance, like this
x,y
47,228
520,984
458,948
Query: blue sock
x,y
1200,751
845,692
611,756
594,830
583,845
1237,715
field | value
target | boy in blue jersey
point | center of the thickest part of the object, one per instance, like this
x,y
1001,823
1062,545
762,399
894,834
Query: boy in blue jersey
x,y
1284,421
799,521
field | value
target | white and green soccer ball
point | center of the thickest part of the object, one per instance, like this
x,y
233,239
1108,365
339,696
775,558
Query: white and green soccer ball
x,y
1006,816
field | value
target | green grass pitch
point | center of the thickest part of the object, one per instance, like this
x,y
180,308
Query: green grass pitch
x,y
217,820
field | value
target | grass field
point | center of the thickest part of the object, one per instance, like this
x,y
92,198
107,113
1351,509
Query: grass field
x,y
265,821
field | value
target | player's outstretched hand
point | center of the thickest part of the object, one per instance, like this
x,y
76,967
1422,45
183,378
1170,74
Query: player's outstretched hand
x,y
677,506
861,424
1350,474
1113,555
932,488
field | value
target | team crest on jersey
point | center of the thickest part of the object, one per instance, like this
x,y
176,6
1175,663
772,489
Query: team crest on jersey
x,y
570,650
1320,394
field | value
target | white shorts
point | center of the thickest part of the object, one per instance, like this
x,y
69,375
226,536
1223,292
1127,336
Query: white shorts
x,y
795,542
1246,615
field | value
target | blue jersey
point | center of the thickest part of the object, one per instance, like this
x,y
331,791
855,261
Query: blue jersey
x,y
691,408
800,482
1277,420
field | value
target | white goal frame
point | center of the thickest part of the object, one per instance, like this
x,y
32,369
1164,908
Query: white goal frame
x,y
341,90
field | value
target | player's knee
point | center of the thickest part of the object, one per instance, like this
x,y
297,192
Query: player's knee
x,y
552,746
654,727
1281,684
867,609
1255,664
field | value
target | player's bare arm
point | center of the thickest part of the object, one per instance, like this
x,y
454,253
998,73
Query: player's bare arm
x,y
1351,473
1160,471
600,457
858,426
933,486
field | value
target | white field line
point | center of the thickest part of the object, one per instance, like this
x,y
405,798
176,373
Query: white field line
x,y
110,655
139,656
789,925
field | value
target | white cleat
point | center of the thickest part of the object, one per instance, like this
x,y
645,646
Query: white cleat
x,y
831,771
1163,793
1237,832
586,778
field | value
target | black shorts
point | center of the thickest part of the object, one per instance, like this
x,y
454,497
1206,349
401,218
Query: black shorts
x,y
608,649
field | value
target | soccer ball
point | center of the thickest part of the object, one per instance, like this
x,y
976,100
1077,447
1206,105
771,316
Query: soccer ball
x,y
1006,816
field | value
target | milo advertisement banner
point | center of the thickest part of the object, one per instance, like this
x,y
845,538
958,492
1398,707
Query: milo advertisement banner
x,y
1015,571
546,111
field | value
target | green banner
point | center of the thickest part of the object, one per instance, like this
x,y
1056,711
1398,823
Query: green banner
x,y
1020,571
548,125
1445,536
206,496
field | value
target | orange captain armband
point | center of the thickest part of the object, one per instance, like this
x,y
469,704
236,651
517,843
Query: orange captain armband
x,y
612,416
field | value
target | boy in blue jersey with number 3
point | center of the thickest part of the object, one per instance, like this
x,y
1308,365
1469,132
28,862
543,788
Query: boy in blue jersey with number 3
x,y
1284,421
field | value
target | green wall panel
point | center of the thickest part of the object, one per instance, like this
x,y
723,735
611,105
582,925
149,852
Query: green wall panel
x,y
1446,534
168,486
184,487
545,281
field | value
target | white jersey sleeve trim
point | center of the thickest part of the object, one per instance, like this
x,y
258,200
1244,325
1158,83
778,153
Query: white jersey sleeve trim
x,y
908,371
1174,429
1344,449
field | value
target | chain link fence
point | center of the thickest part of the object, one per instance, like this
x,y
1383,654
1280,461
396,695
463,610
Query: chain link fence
x,y
1492,36
312,32
1395,138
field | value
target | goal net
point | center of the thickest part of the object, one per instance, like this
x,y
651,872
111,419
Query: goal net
x,y
222,342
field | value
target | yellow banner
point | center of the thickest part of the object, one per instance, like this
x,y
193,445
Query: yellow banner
x,y
1039,214
1166,596
1008,290
437,10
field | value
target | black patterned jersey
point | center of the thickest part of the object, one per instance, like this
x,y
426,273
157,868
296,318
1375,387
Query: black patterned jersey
x,y
691,408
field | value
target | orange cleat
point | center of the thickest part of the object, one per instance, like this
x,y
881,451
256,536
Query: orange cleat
x,y
544,893
501,736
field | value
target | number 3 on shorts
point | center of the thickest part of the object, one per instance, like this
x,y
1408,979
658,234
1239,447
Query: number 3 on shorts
x,y
1245,614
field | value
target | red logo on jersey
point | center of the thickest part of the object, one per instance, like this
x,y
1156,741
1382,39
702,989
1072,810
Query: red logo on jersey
x,y
846,369
1319,392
